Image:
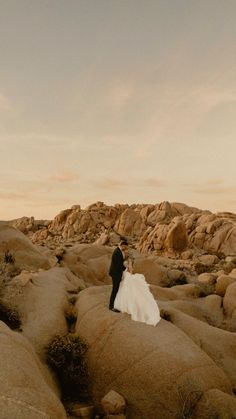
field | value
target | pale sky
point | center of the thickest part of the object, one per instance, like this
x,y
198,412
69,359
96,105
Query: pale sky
x,y
129,101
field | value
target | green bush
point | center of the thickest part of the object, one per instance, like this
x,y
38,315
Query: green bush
x,y
66,356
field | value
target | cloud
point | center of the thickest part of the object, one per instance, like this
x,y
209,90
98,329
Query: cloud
x,y
36,140
154,183
213,186
65,177
216,190
11,196
110,183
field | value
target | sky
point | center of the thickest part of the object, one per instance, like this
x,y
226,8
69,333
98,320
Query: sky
x,y
120,101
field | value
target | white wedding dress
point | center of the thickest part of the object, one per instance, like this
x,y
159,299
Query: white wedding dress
x,y
135,298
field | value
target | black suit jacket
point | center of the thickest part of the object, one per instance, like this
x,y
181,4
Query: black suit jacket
x,y
117,263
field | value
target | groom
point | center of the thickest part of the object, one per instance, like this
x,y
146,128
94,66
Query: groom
x,y
116,270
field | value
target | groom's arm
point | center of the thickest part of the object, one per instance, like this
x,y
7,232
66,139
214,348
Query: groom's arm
x,y
117,260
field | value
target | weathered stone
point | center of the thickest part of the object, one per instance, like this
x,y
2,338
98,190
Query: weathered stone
x,y
223,281
207,278
150,363
113,403
28,390
177,238
208,259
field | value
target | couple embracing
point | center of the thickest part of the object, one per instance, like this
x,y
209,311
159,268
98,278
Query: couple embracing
x,y
130,291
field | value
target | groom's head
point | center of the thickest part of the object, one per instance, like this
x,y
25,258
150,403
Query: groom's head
x,y
123,245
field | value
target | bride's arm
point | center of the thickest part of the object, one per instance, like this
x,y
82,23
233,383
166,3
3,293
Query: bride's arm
x,y
130,265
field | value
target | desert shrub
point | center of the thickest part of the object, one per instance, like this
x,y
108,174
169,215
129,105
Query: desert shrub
x,y
8,266
190,393
227,266
66,356
10,317
205,289
200,268
8,258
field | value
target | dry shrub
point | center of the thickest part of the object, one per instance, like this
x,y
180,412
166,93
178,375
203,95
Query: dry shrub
x,y
66,356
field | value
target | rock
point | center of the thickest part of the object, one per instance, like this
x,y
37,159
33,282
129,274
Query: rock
x,y
229,301
177,238
220,345
152,360
103,239
206,309
215,404
207,278
233,273
208,260
114,417
187,254
153,272
176,277
81,410
26,384
113,403
223,281
187,291
41,302
230,259
130,223
90,262
25,254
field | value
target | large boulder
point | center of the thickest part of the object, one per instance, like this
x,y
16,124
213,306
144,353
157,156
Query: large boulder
x,y
229,304
219,344
207,309
154,273
156,369
25,392
41,300
25,254
90,262
177,238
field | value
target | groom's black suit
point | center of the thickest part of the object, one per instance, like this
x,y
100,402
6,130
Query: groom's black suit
x,y
116,269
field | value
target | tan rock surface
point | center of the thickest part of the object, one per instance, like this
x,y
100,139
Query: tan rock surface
x,y
26,255
25,392
41,301
143,363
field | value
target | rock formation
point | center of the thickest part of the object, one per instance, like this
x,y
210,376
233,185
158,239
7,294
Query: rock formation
x,y
55,282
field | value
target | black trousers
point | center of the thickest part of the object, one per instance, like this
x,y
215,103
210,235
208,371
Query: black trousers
x,y
115,286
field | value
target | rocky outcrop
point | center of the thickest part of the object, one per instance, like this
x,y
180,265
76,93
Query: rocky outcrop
x,y
26,390
89,262
164,227
41,300
145,364
24,253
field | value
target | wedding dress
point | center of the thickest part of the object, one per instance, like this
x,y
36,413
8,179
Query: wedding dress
x,y
135,298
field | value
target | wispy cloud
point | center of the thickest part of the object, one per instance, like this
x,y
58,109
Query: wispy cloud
x,y
12,196
65,177
154,183
110,183
211,187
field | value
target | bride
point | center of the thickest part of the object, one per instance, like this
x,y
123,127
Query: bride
x,y
135,298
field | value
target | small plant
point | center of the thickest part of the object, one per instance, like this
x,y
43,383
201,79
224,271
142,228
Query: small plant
x,y
66,356
200,268
8,258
